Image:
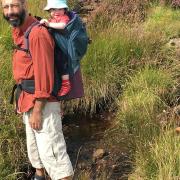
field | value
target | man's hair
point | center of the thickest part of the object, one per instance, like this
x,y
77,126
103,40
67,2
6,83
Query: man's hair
x,y
23,1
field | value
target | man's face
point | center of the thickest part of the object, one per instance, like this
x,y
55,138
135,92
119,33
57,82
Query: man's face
x,y
14,12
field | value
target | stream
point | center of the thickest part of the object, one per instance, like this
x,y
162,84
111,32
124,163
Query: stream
x,y
84,136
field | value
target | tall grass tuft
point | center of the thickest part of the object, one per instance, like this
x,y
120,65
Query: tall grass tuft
x,y
162,160
141,103
113,54
12,144
164,20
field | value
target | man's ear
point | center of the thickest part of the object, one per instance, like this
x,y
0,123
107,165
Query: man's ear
x,y
1,3
25,6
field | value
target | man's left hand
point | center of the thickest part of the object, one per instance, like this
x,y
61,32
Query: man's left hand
x,y
35,120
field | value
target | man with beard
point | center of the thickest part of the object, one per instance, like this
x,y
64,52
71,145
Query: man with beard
x,y
41,112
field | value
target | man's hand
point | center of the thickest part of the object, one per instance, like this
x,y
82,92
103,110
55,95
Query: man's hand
x,y
35,120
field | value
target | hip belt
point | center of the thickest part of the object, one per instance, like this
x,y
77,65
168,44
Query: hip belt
x,y
26,85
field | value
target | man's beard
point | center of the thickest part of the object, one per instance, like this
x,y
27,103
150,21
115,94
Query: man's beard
x,y
19,18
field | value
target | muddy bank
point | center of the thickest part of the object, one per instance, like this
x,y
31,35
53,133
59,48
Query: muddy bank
x,y
91,147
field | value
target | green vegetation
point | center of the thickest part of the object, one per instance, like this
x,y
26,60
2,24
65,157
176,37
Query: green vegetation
x,y
129,67
161,161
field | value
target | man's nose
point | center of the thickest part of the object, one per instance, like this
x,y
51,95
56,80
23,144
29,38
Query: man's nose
x,y
10,10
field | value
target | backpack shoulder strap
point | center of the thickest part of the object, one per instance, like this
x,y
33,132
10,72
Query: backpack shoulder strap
x,y
26,38
26,35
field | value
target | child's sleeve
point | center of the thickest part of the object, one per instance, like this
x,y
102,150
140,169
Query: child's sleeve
x,y
65,19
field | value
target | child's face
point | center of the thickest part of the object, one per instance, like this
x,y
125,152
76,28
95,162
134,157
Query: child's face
x,y
57,12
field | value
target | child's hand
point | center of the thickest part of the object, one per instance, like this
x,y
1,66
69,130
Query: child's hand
x,y
45,22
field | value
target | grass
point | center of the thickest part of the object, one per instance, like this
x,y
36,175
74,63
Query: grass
x,y
128,67
114,52
165,20
156,150
141,103
162,159
12,144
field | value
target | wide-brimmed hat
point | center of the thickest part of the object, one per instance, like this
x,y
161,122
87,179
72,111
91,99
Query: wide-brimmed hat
x,y
55,4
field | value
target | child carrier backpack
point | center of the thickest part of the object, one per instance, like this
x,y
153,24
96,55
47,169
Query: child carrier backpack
x,y
71,43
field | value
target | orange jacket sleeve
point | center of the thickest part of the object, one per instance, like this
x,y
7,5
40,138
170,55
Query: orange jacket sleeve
x,y
42,52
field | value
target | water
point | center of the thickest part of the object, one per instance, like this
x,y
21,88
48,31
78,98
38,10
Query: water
x,y
84,135
81,130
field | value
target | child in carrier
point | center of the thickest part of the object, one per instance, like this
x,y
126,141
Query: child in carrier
x,y
58,20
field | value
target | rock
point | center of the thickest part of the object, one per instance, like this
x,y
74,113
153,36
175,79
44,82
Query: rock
x,y
177,130
98,154
82,165
103,163
175,42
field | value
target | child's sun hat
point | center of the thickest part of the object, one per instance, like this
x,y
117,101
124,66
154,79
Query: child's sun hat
x,y
55,4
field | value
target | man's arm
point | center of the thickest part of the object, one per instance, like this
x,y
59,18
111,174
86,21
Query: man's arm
x,y
42,52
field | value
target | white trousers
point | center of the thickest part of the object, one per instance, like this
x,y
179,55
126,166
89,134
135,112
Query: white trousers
x,y
47,147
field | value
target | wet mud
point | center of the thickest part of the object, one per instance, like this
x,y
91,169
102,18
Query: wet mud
x,y
84,136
